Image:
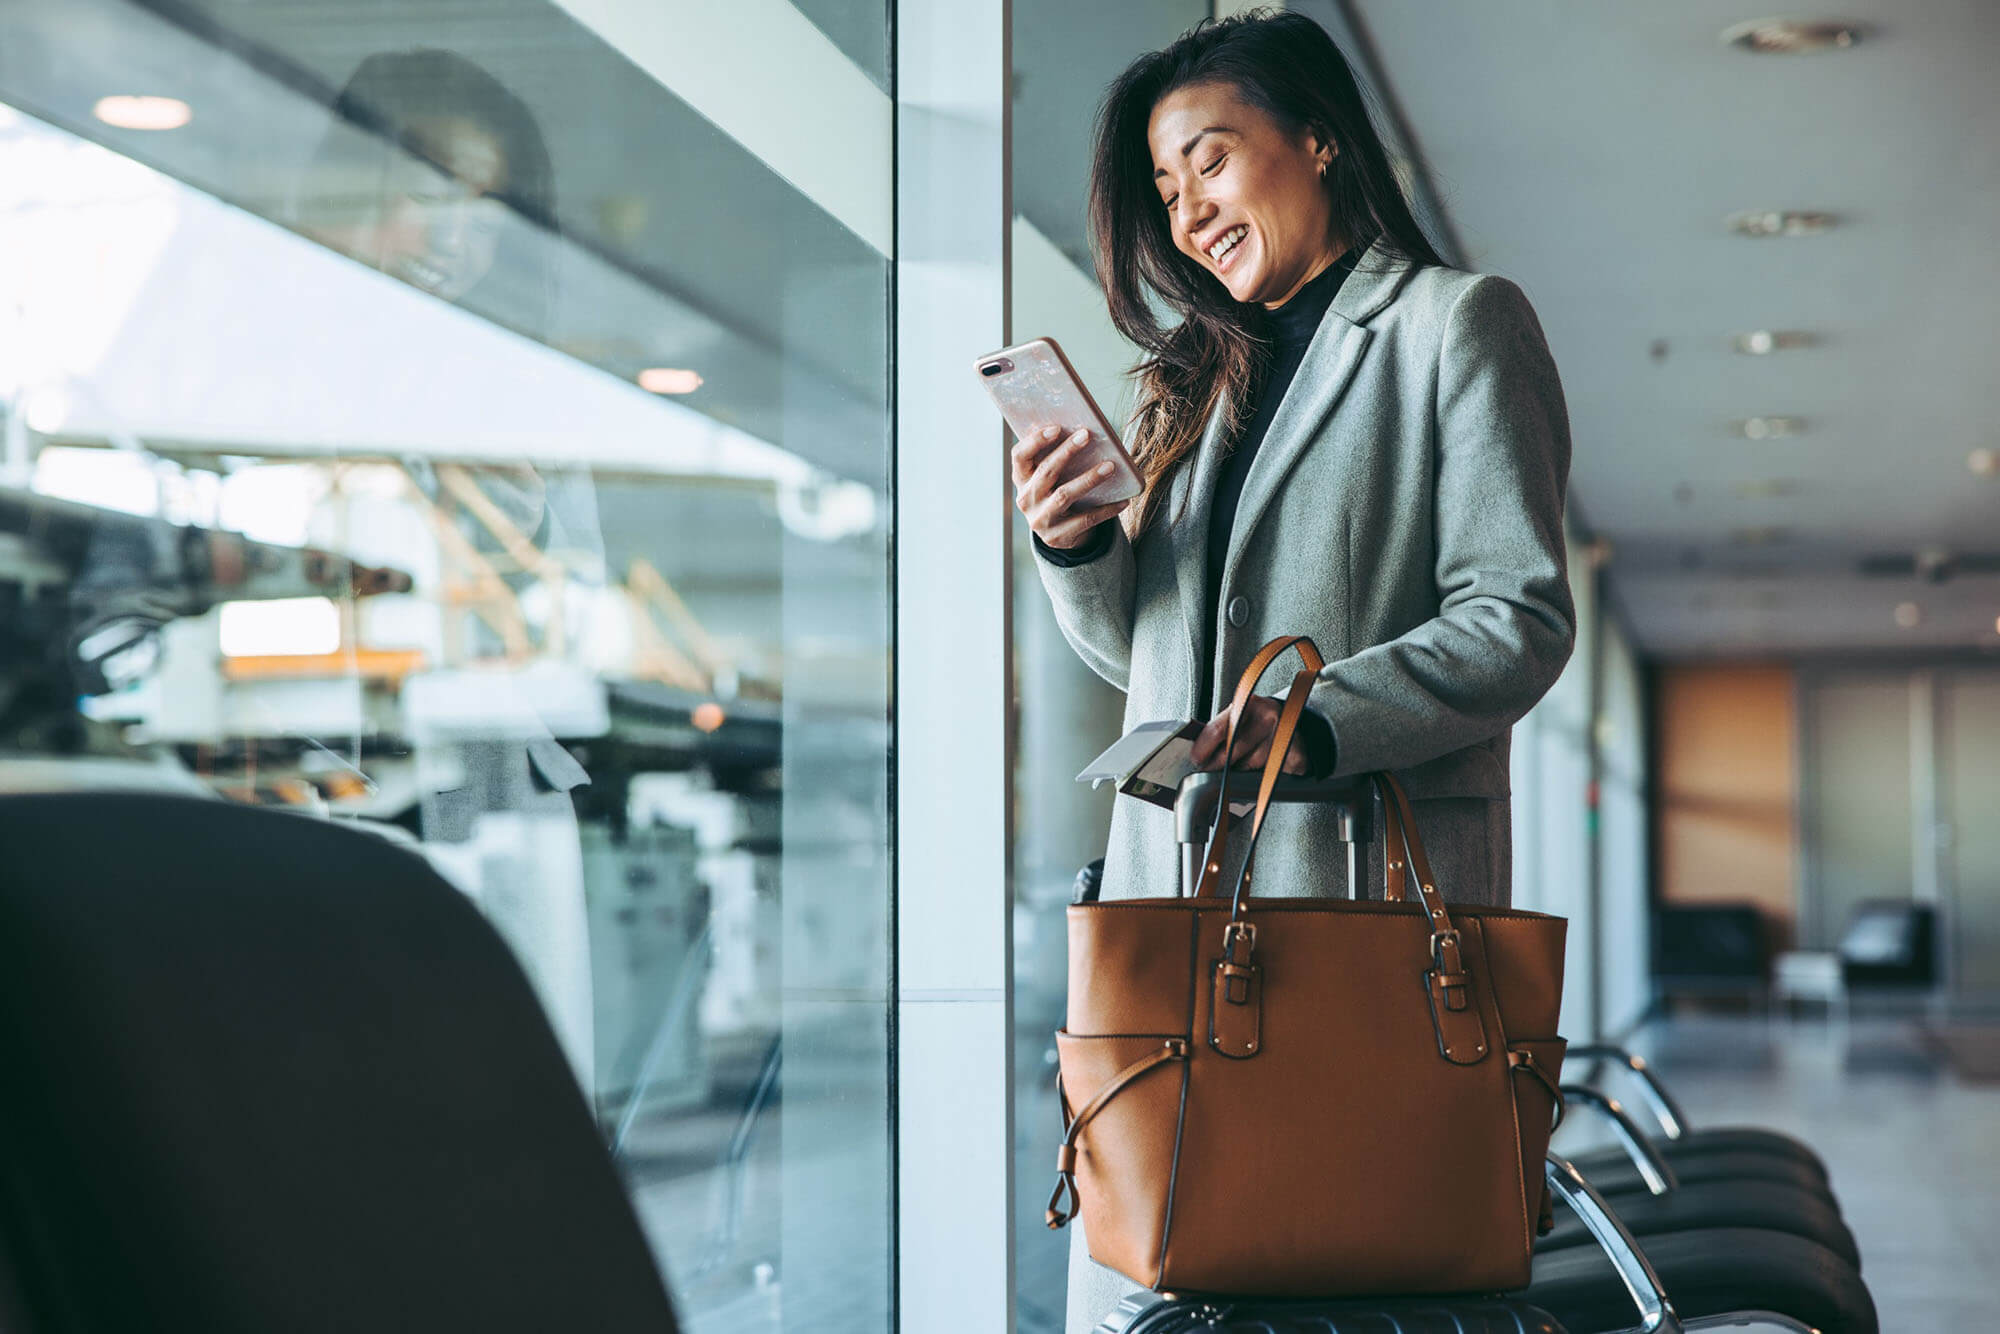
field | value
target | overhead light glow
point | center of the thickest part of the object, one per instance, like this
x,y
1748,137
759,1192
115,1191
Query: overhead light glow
x,y
1780,222
280,626
48,409
1909,615
1790,37
1984,462
1760,537
1770,428
668,380
131,112
1766,488
1763,342
707,716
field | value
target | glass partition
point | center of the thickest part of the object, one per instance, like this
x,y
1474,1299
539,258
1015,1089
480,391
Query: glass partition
x,y
418,416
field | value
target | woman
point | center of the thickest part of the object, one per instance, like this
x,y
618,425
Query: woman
x,y
1340,437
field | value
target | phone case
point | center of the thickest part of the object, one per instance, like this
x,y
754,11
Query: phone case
x,y
1038,388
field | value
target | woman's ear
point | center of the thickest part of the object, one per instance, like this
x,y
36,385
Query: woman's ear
x,y
1324,149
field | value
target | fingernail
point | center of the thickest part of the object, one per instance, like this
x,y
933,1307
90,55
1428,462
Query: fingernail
x,y
1103,468
1081,435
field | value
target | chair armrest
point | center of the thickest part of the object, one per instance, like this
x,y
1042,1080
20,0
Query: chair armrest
x,y
1642,1284
1673,1121
1654,1169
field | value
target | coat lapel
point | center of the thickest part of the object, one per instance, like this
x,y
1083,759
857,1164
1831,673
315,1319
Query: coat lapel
x,y
1330,362
1192,498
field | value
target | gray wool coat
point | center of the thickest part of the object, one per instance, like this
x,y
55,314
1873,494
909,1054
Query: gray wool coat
x,y
1405,512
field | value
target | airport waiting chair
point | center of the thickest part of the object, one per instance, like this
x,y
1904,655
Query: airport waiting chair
x,y
266,1073
1710,1279
1799,1204
1677,1136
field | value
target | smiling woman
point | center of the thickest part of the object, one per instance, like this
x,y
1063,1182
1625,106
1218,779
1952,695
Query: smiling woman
x,y
1341,437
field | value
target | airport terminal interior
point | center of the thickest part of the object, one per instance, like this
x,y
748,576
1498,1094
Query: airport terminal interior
x,y
541,437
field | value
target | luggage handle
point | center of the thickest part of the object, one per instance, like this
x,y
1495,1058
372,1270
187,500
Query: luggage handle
x,y
1449,978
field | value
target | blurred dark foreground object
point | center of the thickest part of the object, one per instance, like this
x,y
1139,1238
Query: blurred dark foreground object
x,y
265,1073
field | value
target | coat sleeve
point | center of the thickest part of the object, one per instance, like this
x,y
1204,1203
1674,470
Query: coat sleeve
x,y
1505,623
1094,607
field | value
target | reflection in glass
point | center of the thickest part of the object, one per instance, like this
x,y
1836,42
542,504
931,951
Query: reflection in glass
x,y
325,484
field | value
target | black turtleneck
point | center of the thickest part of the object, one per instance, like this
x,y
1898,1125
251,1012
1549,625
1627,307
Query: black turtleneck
x,y
1290,329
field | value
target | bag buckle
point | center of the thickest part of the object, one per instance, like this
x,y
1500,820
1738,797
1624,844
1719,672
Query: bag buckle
x,y
1236,934
1444,952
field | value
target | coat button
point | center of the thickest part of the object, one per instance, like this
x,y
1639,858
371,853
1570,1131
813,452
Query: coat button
x,y
1239,612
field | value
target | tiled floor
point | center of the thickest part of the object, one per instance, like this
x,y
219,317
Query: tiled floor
x,y
1913,1150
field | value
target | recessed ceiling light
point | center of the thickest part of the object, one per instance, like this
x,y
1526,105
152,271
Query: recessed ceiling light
x,y
1780,222
1763,342
1984,462
1760,537
1909,615
1786,37
143,113
1769,428
668,380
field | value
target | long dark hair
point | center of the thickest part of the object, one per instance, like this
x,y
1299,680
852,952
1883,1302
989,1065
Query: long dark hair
x,y
1285,65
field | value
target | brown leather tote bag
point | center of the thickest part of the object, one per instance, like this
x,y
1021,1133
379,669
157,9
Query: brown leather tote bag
x,y
1309,1097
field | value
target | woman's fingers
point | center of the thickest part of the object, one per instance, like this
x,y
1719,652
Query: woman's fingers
x,y
1050,461
1072,530
1255,728
1028,451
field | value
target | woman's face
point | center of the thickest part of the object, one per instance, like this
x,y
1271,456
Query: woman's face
x,y
1244,197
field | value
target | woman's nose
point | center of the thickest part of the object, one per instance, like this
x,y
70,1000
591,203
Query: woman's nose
x,y
1194,213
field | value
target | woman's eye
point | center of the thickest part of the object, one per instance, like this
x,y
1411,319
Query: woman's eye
x,y
1171,201
1215,166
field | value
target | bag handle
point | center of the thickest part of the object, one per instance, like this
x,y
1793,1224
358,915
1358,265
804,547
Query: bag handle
x,y
1400,822
1281,745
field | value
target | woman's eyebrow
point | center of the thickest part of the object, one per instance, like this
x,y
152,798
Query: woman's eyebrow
x,y
1188,147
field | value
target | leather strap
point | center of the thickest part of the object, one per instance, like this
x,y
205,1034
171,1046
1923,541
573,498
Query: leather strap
x,y
1171,1049
1519,1059
1246,686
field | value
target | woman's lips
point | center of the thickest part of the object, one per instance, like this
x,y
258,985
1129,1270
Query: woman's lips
x,y
1230,256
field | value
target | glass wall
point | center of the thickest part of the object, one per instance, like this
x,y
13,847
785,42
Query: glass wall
x,y
445,420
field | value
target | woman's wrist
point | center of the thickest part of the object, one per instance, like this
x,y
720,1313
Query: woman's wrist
x,y
1095,544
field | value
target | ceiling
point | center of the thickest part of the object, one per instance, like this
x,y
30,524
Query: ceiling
x,y
1591,153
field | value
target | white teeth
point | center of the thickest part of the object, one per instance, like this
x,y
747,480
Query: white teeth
x,y
1228,241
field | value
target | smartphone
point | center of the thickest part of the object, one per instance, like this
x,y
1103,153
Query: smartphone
x,y
1035,387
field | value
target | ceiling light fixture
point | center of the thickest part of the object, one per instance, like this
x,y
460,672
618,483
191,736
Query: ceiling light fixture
x,y
668,380
1759,537
143,113
1984,462
1763,342
1769,428
1909,615
1780,222
1790,37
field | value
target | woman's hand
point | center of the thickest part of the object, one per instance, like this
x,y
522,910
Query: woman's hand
x,y
1253,738
1048,498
